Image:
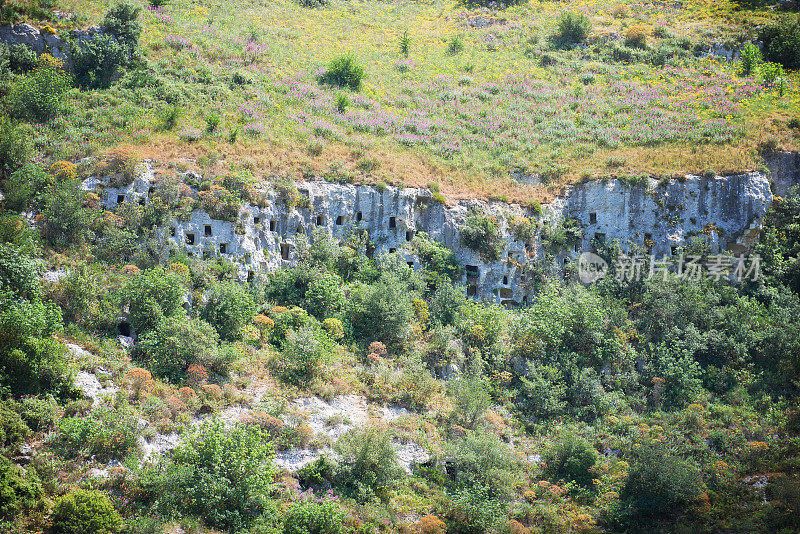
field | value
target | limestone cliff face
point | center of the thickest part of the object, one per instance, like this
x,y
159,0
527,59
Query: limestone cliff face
x,y
728,209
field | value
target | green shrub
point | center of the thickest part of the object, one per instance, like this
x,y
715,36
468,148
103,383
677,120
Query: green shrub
x,y
317,474
19,272
381,311
26,187
455,45
122,22
439,263
17,58
474,510
229,308
13,429
314,3
38,96
312,517
572,29
15,146
405,44
571,459
482,460
304,355
481,233
151,296
471,399
368,463
344,71
782,42
751,57
228,477
65,219
770,72
325,295
38,413
19,491
97,62
32,362
105,433
659,483
178,342
85,512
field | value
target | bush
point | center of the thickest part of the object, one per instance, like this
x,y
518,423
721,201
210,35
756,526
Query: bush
x,y
438,262
105,434
312,517
19,273
474,510
571,460
228,475
304,355
85,512
481,233
19,491
381,311
751,57
325,295
368,463
573,28
16,58
782,42
178,342
13,429
482,460
636,36
455,45
152,296
15,146
122,22
659,483
229,308
97,62
32,362
38,96
344,71
65,218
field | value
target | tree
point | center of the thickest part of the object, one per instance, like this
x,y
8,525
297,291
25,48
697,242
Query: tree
x,y
571,459
86,512
381,311
228,476
659,483
176,343
230,307
368,462
152,296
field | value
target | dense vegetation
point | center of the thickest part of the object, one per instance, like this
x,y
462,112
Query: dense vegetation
x,y
143,390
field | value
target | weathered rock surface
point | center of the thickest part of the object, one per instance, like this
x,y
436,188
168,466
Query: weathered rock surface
x,y
728,209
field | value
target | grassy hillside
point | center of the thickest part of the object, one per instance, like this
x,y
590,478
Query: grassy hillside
x,y
481,93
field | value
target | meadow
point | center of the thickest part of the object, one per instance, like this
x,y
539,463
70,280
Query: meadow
x,y
480,95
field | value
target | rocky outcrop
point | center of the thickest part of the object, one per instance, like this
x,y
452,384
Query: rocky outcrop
x,y
659,216
784,170
41,42
46,40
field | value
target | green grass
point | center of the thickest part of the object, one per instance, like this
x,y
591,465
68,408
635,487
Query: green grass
x,y
244,62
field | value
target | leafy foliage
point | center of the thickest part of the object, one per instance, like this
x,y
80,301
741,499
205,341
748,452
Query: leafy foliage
x,y
344,71
86,512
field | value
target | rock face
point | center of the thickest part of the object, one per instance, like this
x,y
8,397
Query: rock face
x,y
39,41
726,208
659,216
784,168
46,40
